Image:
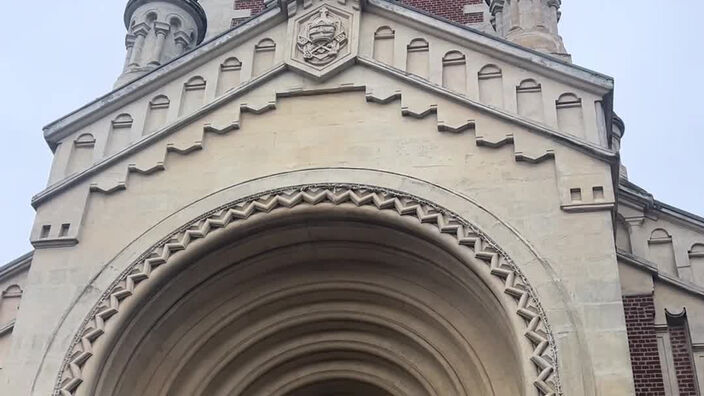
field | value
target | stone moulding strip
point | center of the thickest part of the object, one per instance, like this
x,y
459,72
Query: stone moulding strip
x,y
507,275
572,141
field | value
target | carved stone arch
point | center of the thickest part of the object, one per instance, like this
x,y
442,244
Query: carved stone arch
x,y
696,262
120,134
454,71
157,113
384,39
229,75
9,303
193,96
660,251
491,85
529,99
418,57
264,56
623,235
421,214
81,156
570,116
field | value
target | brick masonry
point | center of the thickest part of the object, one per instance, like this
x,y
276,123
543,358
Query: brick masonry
x,y
643,345
682,358
254,6
449,9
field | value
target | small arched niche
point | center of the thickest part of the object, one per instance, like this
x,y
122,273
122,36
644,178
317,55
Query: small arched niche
x,y
454,71
623,236
417,58
120,134
570,117
696,262
229,76
660,251
9,304
384,39
264,53
157,113
81,153
193,95
529,98
491,86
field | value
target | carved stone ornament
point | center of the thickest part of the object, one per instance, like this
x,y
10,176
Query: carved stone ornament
x,y
322,37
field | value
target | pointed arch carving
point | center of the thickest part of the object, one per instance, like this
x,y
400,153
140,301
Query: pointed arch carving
x,y
506,277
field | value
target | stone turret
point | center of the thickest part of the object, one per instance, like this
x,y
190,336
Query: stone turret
x,y
159,31
530,23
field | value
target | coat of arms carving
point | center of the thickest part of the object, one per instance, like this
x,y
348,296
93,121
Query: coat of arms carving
x,y
322,37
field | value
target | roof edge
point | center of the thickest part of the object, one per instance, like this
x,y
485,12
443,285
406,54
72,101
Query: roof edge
x,y
17,264
483,39
645,198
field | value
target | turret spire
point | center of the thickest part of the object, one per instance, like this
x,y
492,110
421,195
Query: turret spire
x,y
159,31
530,23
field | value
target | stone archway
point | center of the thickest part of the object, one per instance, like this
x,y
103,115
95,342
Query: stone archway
x,y
387,294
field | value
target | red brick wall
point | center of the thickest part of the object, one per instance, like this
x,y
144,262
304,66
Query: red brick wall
x,y
448,9
256,6
643,345
682,358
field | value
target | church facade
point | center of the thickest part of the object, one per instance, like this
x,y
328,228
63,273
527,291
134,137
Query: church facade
x,y
363,197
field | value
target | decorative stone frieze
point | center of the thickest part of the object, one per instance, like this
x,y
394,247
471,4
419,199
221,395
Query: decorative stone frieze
x,y
507,275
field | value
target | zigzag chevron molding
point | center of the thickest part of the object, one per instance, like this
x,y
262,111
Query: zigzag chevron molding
x,y
507,275
261,108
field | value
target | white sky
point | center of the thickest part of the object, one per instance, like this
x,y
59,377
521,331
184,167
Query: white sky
x,y
59,55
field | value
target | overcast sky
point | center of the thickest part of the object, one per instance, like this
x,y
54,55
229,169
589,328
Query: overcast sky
x,y
58,55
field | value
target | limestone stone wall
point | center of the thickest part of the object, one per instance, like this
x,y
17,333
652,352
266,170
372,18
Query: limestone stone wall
x,y
437,114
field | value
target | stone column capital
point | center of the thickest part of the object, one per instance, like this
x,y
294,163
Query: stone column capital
x,y
496,6
555,3
182,38
141,29
130,40
161,28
